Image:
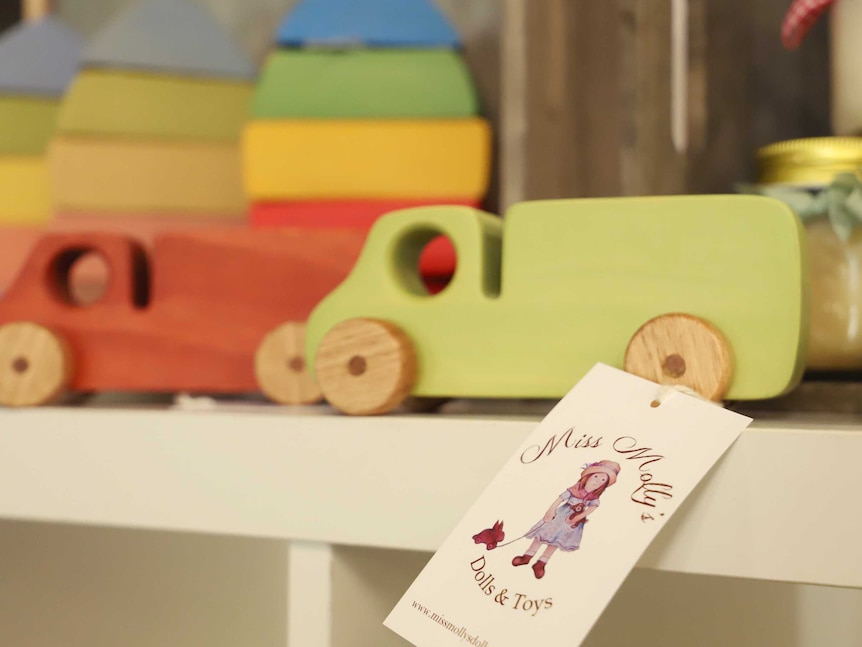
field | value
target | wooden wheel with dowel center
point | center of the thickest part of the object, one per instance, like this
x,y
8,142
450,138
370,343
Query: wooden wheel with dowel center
x,y
280,367
366,366
684,350
35,365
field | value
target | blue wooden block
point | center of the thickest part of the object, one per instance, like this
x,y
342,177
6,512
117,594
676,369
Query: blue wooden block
x,y
368,23
171,36
38,58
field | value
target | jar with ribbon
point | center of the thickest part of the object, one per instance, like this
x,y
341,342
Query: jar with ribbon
x,y
820,180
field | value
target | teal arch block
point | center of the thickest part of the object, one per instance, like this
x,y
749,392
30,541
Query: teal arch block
x,y
169,36
368,23
38,58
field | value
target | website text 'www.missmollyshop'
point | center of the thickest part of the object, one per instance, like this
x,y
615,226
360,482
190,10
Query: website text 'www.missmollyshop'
x,y
461,632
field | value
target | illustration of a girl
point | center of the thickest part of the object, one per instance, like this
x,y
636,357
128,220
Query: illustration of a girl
x,y
563,523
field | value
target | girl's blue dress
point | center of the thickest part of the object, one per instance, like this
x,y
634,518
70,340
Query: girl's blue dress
x,y
558,531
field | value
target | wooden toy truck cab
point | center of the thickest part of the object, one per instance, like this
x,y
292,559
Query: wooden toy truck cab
x,y
192,317
571,283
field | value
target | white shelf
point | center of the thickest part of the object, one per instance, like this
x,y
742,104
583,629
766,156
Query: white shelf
x,y
781,505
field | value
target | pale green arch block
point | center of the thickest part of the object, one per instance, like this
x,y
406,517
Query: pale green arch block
x,y
26,124
111,103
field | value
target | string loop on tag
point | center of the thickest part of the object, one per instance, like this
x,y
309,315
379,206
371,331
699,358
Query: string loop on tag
x,y
666,390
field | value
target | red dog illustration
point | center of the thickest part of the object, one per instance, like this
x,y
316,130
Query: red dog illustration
x,y
491,536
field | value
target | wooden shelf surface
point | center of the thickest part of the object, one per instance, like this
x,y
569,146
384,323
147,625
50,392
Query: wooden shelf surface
x,y
781,505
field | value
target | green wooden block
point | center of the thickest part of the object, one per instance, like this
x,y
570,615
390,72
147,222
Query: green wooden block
x,y
365,84
537,301
134,104
26,124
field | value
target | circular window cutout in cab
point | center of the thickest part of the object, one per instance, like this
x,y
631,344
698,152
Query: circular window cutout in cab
x,y
82,276
426,261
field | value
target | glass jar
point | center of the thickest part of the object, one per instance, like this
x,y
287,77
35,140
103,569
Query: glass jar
x,y
820,179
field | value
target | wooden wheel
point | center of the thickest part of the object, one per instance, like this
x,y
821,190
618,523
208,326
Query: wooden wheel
x,y
280,368
366,366
35,365
682,349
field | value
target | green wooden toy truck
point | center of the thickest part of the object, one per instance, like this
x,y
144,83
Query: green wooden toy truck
x,y
707,291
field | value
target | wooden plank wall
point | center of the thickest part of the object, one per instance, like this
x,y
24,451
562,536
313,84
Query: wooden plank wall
x,y
586,95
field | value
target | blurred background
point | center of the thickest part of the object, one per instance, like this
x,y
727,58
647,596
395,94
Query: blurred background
x,y
579,91
584,98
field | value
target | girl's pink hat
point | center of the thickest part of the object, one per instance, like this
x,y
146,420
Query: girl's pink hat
x,y
603,467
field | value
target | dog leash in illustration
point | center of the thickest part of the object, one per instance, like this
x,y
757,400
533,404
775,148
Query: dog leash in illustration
x,y
490,536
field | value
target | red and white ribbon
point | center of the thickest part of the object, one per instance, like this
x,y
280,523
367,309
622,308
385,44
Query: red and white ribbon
x,y
800,18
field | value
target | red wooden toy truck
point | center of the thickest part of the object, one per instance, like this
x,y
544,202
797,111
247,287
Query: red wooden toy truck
x,y
213,311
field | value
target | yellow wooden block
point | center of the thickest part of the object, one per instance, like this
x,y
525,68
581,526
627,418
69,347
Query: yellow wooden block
x,y
139,175
309,159
23,190
135,104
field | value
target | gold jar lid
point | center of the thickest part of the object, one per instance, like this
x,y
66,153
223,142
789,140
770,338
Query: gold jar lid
x,y
809,162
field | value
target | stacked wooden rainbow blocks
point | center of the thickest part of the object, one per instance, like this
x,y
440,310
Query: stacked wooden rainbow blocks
x,y
37,62
364,107
148,135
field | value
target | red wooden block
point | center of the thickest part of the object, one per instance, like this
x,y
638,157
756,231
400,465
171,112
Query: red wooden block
x,y
190,316
437,263
336,213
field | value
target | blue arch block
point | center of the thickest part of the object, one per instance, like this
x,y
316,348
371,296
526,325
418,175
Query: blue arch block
x,y
367,23
38,58
170,36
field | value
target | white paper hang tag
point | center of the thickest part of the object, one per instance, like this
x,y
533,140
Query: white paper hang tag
x,y
544,549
